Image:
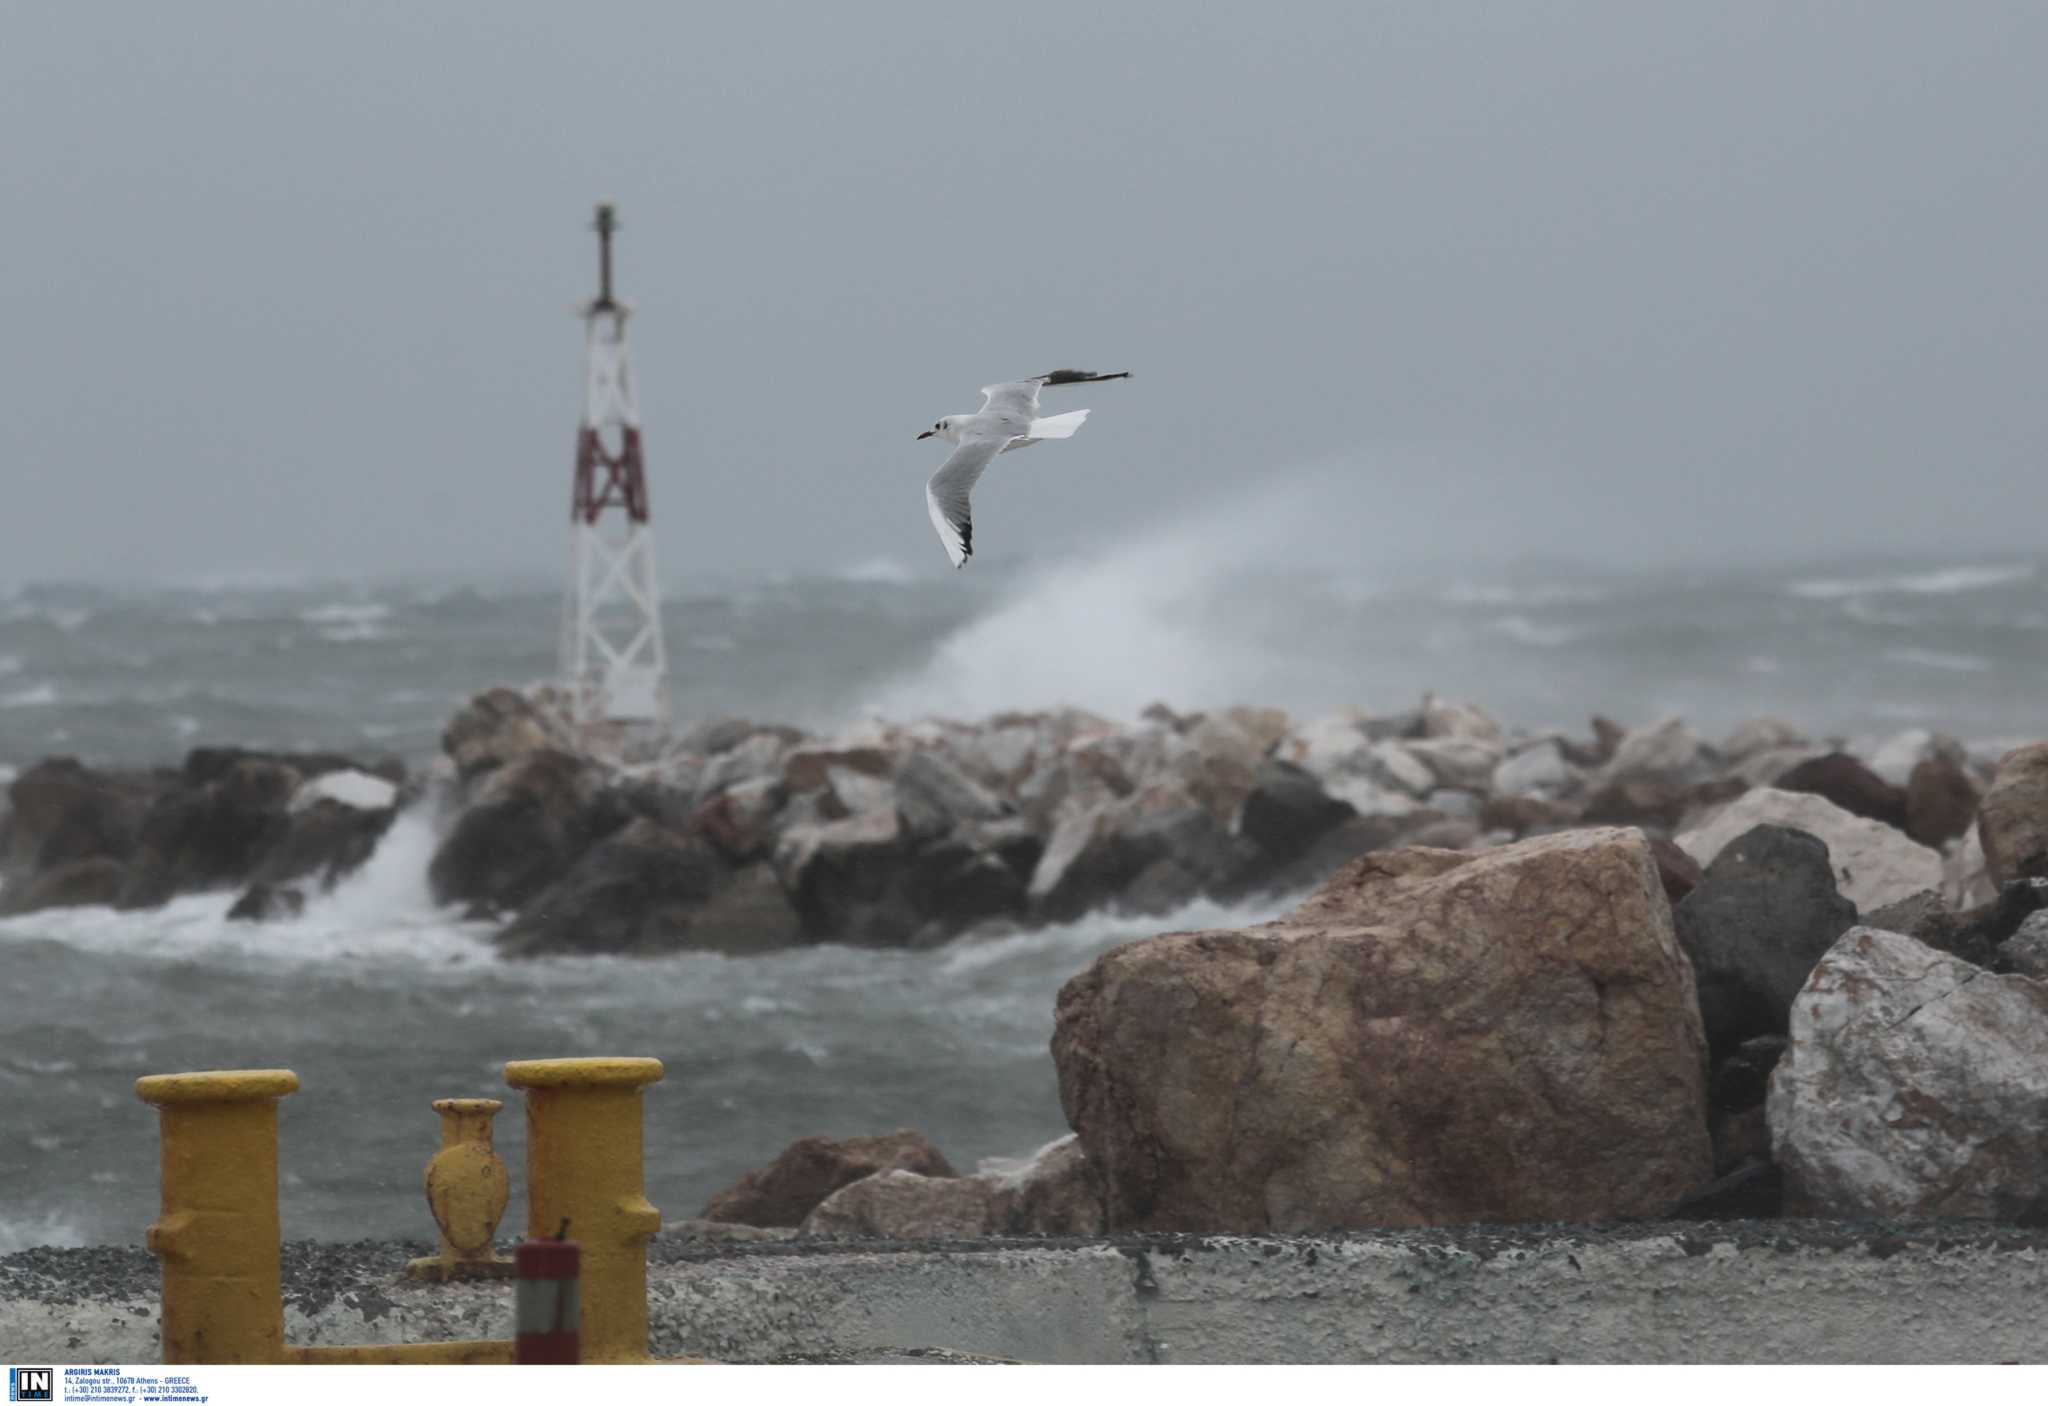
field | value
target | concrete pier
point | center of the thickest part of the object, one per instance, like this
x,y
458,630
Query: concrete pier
x,y
1778,1292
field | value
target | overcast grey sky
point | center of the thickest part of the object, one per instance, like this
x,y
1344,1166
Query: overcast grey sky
x,y
288,287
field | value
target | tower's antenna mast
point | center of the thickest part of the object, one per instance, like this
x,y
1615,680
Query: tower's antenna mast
x,y
614,661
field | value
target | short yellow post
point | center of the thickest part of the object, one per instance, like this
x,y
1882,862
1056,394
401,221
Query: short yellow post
x,y
467,1189
217,1235
583,1166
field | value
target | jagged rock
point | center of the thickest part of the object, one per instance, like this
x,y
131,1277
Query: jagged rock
x,y
494,729
1849,784
759,755
75,883
63,811
1287,811
1667,753
1052,1192
323,841
1873,863
850,878
266,903
959,885
1442,718
637,891
1766,911
532,819
740,818
1464,762
811,1169
1913,1087
1225,763
1536,770
933,796
848,792
807,768
215,834
1762,735
1432,1038
1093,858
2026,951
1941,801
2012,822
900,1205
751,913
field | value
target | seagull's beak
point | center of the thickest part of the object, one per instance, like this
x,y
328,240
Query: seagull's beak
x,y
927,434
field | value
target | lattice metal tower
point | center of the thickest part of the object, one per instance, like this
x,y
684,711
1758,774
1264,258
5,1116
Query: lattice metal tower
x,y
614,661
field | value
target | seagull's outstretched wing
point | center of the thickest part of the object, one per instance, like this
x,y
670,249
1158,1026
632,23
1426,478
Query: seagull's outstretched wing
x,y
945,495
1019,399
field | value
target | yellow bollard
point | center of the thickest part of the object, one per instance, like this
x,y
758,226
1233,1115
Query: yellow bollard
x,y
217,1235
583,1165
467,1189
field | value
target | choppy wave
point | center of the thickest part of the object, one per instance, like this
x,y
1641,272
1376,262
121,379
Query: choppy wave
x,y
1943,581
1938,659
1522,630
42,695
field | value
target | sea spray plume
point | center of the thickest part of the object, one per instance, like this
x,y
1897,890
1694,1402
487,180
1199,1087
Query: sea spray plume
x,y
1008,419
1196,610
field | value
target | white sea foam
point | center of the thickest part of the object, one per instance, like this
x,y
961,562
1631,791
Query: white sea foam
x,y
1938,659
1944,581
41,695
1523,630
1538,593
25,1230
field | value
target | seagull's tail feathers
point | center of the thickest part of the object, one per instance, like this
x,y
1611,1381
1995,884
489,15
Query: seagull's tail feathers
x,y
1071,377
1058,426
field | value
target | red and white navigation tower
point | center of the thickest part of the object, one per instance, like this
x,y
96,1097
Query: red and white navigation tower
x,y
614,662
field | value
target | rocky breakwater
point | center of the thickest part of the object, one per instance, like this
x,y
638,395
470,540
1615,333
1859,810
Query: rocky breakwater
x,y
273,825
1792,1006
744,837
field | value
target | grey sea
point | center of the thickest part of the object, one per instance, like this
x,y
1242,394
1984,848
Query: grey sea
x,y
382,1003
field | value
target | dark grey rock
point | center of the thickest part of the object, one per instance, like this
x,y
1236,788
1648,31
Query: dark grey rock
x,y
1744,1077
1288,810
639,891
265,903
1765,913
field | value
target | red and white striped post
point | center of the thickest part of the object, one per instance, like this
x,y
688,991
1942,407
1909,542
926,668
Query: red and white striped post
x,y
550,1303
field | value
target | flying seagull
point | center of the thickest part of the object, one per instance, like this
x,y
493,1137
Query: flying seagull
x,y
1008,419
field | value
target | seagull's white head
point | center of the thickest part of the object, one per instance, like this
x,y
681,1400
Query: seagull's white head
x,y
944,430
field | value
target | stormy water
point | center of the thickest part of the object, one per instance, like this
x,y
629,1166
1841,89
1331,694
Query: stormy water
x,y
381,1003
